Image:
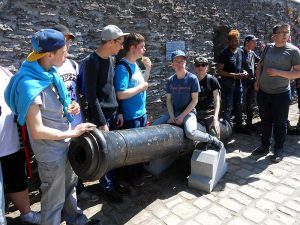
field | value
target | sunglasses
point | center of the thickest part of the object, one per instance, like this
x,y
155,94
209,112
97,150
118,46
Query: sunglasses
x,y
201,64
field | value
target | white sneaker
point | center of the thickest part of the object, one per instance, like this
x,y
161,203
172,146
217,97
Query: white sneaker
x,y
86,196
31,217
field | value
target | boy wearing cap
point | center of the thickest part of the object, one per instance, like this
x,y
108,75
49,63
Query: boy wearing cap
x,y
248,63
279,64
231,71
182,97
69,72
209,96
37,95
97,85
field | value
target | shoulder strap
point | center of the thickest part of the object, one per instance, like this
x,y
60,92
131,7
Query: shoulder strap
x,y
124,63
6,71
265,52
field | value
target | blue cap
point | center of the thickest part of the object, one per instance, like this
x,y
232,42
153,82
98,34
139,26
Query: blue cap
x,y
250,37
177,53
45,40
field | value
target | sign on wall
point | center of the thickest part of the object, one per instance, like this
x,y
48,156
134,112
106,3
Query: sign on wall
x,y
172,46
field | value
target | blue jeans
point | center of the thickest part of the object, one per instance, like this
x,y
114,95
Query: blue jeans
x,y
58,182
232,96
249,99
2,200
135,123
273,110
108,180
189,126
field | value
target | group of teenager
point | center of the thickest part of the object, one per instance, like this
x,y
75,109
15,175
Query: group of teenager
x,y
45,92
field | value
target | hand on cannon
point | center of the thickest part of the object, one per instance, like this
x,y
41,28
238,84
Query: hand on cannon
x,y
82,128
214,141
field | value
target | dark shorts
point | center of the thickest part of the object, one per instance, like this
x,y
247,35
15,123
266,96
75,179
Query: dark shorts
x,y
13,169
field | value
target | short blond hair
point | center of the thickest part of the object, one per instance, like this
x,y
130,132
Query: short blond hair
x,y
234,34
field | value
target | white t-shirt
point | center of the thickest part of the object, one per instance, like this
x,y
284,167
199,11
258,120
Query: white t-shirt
x,y
68,73
9,138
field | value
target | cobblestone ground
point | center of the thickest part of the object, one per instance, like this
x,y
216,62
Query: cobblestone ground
x,y
253,191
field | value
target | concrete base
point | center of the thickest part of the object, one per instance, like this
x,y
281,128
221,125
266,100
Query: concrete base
x,y
207,168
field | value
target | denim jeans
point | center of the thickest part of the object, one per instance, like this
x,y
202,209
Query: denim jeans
x,y
2,200
135,123
189,126
58,182
273,110
108,180
232,96
249,100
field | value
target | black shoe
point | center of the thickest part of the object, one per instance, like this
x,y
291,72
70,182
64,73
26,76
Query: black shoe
x,y
276,158
137,182
261,150
242,130
114,196
93,222
122,189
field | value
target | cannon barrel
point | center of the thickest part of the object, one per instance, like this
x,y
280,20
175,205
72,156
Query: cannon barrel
x,y
94,153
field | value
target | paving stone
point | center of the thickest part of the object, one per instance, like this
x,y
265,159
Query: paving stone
x,y
189,223
223,193
202,202
211,197
277,172
292,159
285,189
291,182
250,191
140,217
174,202
231,204
287,211
266,205
187,195
283,218
185,210
254,215
172,220
220,212
272,222
238,221
243,173
293,205
158,209
240,197
268,177
208,219
262,185
151,222
276,196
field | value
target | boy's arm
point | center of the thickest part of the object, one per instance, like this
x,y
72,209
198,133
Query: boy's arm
x,y
188,109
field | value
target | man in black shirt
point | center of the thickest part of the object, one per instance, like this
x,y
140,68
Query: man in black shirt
x,y
97,86
208,106
248,63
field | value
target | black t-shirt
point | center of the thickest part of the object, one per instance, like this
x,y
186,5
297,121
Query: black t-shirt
x,y
206,98
248,63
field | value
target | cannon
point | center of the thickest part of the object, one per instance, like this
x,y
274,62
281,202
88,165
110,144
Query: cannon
x,y
95,153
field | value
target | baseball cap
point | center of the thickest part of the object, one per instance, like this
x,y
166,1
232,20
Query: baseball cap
x,y
111,32
64,30
45,40
201,59
250,38
177,53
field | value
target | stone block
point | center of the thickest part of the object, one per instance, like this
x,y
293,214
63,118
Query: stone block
x,y
207,168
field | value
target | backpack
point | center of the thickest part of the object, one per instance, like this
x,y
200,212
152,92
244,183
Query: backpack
x,y
80,85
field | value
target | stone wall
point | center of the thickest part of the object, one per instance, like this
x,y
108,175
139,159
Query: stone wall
x,y
201,24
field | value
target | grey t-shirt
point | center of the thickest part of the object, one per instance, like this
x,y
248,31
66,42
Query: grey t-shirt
x,y
281,58
52,116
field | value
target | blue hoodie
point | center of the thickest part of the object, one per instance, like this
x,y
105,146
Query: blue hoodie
x,y
28,83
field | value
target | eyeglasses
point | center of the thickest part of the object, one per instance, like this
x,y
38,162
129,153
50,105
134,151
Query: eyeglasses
x,y
179,61
201,64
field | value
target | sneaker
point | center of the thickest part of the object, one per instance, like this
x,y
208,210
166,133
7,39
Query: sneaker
x,y
93,222
31,218
86,196
114,196
261,150
276,158
122,189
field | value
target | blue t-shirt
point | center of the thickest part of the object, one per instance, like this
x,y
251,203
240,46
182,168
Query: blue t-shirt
x,y
135,106
181,90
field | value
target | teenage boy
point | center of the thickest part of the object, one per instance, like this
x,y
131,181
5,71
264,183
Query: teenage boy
x,y
37,95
